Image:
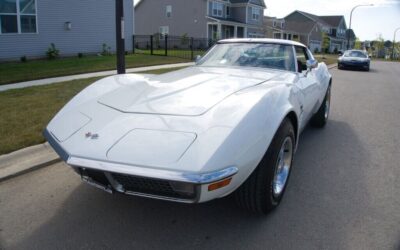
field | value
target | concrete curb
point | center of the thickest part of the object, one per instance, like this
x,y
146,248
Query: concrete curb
x,y
26,160
32,158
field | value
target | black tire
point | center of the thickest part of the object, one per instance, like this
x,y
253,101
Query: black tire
x,y
257,194
320,118
339,66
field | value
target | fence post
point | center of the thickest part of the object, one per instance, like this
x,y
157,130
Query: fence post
x,y
166,45
191,48
133,44
151,44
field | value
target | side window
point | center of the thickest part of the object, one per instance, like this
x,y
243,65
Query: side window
x,y
301,58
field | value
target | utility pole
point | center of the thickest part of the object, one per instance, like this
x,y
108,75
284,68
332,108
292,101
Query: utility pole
x,y
120,35
394,41
351,15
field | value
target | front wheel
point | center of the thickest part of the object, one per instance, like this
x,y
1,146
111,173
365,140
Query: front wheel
x,y
265,187
321,117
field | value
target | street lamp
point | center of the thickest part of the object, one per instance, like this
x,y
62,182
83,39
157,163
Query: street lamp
x,y
394,41
351,15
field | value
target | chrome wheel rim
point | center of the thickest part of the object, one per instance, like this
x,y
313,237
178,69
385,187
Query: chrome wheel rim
x,y
327,103
283,165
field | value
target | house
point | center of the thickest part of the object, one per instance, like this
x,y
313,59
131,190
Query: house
x,y
308,29
334,26
306,32
211,19
28,27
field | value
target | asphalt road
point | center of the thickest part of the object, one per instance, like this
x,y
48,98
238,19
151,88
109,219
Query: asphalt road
x,y
344,192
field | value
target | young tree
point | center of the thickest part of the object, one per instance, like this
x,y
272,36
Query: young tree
x,y
357,43
326,41
379,45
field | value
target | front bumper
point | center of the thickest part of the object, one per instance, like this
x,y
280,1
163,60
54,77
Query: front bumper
x,y
354,64
141,181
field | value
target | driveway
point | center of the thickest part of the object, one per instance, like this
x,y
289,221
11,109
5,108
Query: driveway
x,y
344,192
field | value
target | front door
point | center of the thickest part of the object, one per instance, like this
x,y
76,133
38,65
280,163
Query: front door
x,y
308,85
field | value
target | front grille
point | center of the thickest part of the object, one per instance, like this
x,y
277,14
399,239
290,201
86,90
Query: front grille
x,y
148,186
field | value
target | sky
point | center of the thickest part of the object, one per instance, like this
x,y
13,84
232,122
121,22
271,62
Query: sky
x,y
367,22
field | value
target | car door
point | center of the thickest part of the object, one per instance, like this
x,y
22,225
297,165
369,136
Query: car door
x,y
307,83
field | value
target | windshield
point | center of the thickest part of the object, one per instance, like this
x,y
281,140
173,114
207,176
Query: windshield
x,y
353,53
261,55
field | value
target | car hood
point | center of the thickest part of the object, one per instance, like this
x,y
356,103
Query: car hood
x,y
188,92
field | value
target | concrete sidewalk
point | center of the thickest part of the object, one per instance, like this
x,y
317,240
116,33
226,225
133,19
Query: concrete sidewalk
x,y
87,75
32,158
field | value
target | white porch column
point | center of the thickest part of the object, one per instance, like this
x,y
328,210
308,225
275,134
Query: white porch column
x,y
245,32
235,32
219,31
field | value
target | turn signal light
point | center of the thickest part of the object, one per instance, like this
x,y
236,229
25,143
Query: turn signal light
x,y
219,184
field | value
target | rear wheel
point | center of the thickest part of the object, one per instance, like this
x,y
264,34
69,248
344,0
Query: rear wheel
x,y
321,117
265,187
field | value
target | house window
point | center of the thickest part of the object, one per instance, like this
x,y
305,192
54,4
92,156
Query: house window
x,y
164,30
274,24
282,25
18,16
168,11
228,11
217,9
255,13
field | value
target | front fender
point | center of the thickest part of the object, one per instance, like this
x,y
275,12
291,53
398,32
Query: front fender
x,y
261,109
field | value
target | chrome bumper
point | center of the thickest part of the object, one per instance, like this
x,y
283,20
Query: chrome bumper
x,y
197,179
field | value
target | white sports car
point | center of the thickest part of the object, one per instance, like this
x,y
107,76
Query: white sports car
x,y
229,124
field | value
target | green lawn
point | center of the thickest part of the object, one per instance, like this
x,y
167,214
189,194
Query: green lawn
x,y
38,69
25,112
327,59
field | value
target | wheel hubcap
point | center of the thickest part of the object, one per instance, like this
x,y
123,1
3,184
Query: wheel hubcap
x,y
283,165
327,103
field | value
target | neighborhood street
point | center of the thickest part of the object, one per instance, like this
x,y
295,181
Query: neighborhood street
x,y
344,192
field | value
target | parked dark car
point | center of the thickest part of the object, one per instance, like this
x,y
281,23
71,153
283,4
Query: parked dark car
x,y
354,59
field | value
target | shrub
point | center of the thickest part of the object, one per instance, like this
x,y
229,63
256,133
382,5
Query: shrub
x,y
52,52
80,55
335,51
184,39
106,51
316,51
23,59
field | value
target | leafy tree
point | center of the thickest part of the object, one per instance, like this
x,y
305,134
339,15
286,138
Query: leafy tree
x,y
326,41
357,43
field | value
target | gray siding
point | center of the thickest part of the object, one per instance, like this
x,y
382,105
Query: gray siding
x,y
239,14
250,18
187,17
93,23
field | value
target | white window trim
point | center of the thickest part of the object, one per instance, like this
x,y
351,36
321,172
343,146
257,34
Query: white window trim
x,y
255,13
18,14
168,9
215,6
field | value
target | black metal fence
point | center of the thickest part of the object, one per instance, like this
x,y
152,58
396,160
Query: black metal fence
x,y
177,46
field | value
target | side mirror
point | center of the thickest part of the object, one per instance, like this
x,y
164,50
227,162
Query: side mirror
x,y
197,59
312,64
